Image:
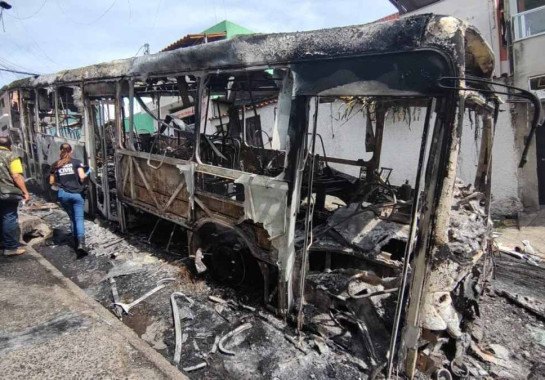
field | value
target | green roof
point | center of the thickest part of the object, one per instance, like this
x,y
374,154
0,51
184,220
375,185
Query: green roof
x,y
228,27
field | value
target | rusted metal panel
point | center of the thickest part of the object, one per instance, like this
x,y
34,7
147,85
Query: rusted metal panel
x,y
152,210
226,207
219,171
163,189
262,237
164,180
178,207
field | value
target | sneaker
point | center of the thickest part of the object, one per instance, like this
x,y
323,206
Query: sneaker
x,y
80,244
14,252
81,248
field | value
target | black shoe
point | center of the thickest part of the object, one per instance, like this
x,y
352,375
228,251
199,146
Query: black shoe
x,y
81,248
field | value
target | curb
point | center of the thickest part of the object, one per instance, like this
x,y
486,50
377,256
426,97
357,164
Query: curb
x,y
162,364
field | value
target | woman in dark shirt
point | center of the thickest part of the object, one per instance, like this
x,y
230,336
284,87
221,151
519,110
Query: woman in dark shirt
x,y
68,175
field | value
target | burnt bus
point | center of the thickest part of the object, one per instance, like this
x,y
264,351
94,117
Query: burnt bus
x,y
288,156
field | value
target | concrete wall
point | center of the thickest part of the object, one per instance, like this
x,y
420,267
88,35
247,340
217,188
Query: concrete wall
x,y
528,61
345,138
505,159
479,13
528,182
509,187
401,143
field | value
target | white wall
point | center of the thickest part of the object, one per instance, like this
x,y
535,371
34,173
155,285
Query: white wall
x,y
504,158
478,13
345,138
505,181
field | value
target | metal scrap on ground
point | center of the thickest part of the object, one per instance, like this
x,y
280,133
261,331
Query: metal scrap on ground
x,y
231,334
177,323
160,285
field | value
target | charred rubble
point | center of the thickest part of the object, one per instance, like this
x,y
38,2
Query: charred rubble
x,y
350,306
362,299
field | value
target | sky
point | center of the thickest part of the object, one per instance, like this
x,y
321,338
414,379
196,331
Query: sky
x,y
45,36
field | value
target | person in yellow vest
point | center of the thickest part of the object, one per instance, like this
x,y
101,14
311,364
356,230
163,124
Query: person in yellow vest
x,y
12,190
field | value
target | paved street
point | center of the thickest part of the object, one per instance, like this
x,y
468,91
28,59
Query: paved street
x,y
50,329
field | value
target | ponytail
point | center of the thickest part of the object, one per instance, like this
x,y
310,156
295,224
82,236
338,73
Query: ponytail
x,y
66,156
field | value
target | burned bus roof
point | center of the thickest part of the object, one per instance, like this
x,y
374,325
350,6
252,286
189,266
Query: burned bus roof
x,y
427,31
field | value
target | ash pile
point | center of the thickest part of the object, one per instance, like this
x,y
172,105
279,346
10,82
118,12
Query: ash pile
x,y
355,307
460,270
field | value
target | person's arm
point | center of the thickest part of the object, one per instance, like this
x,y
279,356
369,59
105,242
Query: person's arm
x,y
81,174
52,176
19,181
16,171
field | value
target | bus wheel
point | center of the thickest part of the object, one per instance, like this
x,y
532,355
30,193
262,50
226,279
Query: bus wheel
x,y
226,254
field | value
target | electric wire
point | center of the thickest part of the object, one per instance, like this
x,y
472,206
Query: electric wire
x,y
11,65
32,15
104,13
86,23
30,49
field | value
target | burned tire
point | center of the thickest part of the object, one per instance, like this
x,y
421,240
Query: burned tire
x,y
225,254
227,262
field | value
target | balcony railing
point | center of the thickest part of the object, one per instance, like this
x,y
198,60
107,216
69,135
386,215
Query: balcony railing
x,y
529,23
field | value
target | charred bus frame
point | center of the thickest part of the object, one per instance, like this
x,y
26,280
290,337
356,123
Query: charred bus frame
x,y
235,196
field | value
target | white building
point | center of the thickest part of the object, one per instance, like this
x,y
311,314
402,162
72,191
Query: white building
x,y
515,29
526,26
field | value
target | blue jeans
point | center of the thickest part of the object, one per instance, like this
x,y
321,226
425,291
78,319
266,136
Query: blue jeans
x,y
73,205
10,225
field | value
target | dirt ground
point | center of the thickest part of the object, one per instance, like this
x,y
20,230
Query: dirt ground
x,y
513,335
528,226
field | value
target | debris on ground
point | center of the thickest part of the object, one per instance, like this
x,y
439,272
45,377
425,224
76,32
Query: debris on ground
x,y
231,334
531,304
261,352
348,312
